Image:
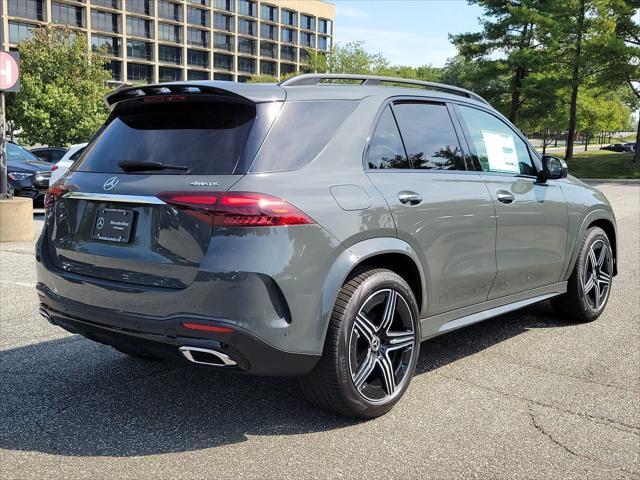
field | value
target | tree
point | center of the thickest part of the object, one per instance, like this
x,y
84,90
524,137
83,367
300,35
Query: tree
x,y
599,111
348,58
61,88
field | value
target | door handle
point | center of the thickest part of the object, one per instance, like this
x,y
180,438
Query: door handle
x,y
407,196
505,197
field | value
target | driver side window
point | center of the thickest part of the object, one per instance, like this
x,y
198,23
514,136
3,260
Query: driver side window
x,y
497,146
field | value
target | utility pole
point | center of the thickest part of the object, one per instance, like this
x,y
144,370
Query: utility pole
x,y
9,82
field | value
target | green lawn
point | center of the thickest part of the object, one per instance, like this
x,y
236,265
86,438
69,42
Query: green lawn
x,y
604,164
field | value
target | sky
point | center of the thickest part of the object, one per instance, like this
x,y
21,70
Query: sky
x,y
406,32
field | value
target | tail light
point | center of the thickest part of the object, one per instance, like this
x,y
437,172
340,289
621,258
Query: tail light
x,y
237,209
54,168
53,194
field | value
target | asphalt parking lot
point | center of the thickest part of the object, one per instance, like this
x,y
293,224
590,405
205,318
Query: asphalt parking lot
x,y
526,395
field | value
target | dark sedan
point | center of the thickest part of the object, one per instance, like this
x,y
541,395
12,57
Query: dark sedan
x,y
28,176
49,154
619,147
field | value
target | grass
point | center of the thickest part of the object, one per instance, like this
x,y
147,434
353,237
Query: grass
x,y
604,164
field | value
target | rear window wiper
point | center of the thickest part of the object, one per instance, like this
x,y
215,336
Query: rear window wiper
x,y
135,165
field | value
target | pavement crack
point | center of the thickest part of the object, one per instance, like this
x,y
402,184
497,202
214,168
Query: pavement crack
x,y
541,429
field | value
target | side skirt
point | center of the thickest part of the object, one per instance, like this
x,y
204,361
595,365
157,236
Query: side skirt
x,y
448,321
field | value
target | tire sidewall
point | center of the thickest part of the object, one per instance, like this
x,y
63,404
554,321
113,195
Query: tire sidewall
x,y
378,281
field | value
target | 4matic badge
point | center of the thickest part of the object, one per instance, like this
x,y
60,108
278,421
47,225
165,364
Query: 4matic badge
x,y
197,183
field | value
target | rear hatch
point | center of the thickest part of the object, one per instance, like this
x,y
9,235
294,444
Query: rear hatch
x,y
106,218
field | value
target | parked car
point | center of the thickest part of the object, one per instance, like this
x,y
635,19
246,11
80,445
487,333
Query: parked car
x,y
49,154
27,175
619,147
630,145
67,160
314,229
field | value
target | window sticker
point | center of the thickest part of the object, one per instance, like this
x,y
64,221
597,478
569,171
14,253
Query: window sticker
x,y
501,152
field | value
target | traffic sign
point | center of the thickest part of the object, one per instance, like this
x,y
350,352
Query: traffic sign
x,y
9,71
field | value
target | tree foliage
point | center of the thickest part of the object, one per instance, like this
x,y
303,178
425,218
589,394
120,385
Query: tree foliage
x,y
61,88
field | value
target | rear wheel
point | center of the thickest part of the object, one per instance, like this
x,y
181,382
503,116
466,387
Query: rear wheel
x,y
590,282
371,348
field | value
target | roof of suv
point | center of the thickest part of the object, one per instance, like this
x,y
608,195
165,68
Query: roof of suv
x,y
305,87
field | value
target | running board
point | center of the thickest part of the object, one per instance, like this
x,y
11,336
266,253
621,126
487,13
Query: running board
x,y
448,321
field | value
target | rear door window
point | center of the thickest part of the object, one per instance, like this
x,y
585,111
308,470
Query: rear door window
x,y
386,150
429,136
208,138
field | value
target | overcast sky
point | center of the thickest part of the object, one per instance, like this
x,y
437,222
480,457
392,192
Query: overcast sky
x,y
407,32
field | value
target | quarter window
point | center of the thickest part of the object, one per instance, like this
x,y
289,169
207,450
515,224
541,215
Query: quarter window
x,y
496,145
429,136
386,150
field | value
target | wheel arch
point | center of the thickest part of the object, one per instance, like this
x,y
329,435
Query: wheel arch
x,y
610,229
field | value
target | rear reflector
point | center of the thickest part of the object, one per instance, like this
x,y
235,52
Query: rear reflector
x,y
55,192
207,328
237,209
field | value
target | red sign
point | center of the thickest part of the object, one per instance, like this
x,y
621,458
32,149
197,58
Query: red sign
x,y
9,71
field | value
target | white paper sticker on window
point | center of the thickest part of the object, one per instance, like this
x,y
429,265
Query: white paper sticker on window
x,y
501,152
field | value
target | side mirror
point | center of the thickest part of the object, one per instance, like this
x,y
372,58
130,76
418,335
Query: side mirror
x,y
553,168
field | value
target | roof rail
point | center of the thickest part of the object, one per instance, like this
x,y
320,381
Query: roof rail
x,y
366,80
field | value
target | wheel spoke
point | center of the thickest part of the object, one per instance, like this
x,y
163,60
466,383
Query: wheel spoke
x,y
365,327
587,287
602,257
604,278
389,311
388,375
592,258
399,340
365,370
597,294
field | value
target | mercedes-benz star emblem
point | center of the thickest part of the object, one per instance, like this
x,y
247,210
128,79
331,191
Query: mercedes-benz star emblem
x,y
112,182
100,223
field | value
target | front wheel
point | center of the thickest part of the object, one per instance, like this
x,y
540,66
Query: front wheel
x,y
371,348
590,282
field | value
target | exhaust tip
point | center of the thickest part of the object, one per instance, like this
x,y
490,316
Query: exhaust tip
x,y
207,356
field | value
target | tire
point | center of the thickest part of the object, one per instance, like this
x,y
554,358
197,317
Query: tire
x,y
140,355
579,303
364,345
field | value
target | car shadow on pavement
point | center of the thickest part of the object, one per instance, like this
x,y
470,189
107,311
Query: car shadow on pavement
x,y
74,397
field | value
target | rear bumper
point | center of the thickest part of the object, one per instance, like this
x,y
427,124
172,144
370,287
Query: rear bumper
x,y
163,337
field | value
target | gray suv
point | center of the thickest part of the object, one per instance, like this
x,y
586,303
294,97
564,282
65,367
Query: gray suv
x,y
322,228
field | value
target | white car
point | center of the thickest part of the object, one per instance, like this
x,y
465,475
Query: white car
x,y
60,168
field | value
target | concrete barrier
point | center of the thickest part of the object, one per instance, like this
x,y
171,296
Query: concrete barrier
x,y
16,220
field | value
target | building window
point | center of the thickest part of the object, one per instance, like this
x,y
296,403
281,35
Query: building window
x,y
204,3
288,35
115,4
169,54
286,69
222,62
247,7
140,6
139,49
268,50
105,21
198,37
246,65
169,33
323,43
197,75
223,42
198,58
105,45
197,16
270,32
267,68
20,31
324,25
224,5
289,18
64,14
304,56
246,27
307,22
33,9
168,74
138,72
115,67
223,22
138,27
169,10
307,40
246,45
268,13
288,54
226,77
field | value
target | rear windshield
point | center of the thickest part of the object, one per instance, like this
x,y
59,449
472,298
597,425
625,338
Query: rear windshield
x,y
208,138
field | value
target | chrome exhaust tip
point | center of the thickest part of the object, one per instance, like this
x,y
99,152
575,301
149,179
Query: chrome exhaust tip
x,y
207,356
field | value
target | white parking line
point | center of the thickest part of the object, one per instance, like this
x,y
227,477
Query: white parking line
x,y
21,284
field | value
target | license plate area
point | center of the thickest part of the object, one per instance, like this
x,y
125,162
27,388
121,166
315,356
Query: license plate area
x,y
113,225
